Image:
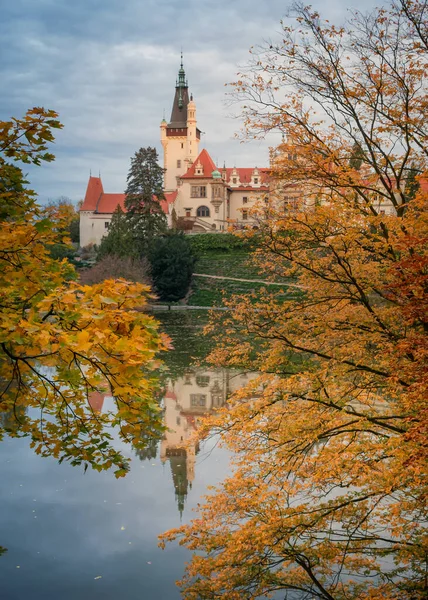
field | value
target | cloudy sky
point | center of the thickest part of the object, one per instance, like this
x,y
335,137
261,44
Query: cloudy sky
x,y
109,67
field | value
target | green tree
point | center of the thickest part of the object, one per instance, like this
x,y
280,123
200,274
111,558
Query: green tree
x,y
144,193
357,156
172,261
412,183
63,211
119,240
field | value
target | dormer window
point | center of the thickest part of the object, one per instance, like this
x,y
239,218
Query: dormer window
x,y
234,180
256,180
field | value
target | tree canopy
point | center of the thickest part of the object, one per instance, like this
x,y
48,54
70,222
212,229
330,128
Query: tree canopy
x,y
119,241
327,496
171,261
143,194
61,342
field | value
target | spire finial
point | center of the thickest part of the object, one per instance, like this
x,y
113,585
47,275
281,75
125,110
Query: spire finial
x,y
181,74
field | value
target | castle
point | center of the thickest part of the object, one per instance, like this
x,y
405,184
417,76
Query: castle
x,y
201,196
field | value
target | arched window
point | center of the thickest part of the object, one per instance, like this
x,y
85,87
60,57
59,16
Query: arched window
x,y
203,211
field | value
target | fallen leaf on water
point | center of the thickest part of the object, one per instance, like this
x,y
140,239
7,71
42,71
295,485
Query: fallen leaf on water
x,y
122,528
98,577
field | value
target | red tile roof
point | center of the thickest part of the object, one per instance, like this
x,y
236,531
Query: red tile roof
x,y
93,193
207,164
109,202
97,201
96,400
245,175
169,199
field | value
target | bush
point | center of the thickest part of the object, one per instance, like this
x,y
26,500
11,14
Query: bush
x,y
114,267
218,242
171,261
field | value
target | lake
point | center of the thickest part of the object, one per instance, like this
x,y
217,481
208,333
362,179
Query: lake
x,y
71,534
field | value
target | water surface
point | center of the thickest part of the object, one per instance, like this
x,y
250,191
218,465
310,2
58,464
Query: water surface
x,y
87,536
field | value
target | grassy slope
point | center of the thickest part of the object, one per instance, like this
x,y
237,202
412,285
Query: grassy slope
x,y
209,292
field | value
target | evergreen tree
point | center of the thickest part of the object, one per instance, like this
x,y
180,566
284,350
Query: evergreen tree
x,y
144,192
119,240
412,184
357,156
172,261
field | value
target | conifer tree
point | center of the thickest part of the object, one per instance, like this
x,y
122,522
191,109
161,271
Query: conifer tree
x,y
118,241
144,192
172,261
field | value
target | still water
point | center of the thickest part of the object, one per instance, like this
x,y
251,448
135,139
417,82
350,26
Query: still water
x,y
73,535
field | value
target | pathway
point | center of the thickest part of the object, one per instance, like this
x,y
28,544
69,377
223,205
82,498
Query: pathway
x,y
246,280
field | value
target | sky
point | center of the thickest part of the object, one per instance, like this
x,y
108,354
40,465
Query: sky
x,y
108,67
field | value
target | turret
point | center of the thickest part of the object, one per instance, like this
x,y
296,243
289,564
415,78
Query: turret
x,y
180,137
192,137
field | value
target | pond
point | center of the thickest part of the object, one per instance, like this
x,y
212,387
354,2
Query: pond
x,y
72,534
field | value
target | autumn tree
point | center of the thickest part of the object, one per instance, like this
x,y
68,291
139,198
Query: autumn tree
x,y
143,196
63,211
60,341
327,498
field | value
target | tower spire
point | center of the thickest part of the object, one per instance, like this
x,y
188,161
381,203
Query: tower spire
x,y
181,83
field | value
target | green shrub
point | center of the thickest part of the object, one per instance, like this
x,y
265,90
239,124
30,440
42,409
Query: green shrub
x,y
171,260
217,242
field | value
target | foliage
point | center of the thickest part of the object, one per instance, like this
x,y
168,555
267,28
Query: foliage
x,y
328,494
412,183
217,242
60,341
171,263
144,192
63,212
114,267
119,241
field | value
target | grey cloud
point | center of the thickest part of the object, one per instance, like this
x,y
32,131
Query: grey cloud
x,y
109,68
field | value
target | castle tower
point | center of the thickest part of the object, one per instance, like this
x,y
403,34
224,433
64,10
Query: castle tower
x,y
180,137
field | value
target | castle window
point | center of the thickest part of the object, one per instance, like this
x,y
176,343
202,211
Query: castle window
x,y
178,164
106,224
202,380
203,211
234,180
198,191
256,180
244,200
182,146
198,400
245,215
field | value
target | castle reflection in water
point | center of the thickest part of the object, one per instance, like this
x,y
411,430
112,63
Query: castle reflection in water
x,y
188,398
